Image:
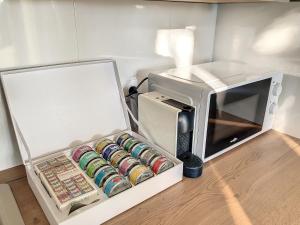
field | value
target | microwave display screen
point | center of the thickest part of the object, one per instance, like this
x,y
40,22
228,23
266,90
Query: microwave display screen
x,y
236,114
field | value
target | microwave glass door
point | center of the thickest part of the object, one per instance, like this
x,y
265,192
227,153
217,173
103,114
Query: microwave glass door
x,y
236,114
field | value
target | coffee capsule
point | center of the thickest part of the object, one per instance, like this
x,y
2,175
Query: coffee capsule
x,y
103,174
130,143
139,174
127,164
161,164
148,156
86,158
95,165
117,157
138,149
102,144
115,185
127,142
122,137
78,152
109,150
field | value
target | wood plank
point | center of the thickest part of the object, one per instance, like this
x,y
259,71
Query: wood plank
x,y
12,174
29,207
256,183
10,214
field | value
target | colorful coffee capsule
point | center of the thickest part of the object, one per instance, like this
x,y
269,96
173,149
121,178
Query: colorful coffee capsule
x,y
94,166
115,185
138,149
161,164
130,143
102,144
103,173
122,137
78,152
147,156
117,157
86,158
126,141
139,174
127,164
109,150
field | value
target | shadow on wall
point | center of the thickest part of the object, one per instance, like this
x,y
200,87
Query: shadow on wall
x,y
172,46
282,37
277,46
271,38
175,45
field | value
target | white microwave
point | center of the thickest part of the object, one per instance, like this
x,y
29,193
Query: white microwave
x,y
210,108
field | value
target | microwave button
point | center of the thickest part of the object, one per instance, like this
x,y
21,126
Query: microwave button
x,y
277,89
272,108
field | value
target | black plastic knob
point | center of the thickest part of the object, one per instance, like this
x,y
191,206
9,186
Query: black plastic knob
x,y
192,165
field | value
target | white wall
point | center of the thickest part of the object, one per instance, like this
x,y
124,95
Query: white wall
x,y
43,32
127,30
31,32
265,34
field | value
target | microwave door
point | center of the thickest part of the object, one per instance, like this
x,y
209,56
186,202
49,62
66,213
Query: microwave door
x,y
235,114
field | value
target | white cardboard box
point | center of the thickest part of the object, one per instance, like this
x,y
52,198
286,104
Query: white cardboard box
x,y
55,108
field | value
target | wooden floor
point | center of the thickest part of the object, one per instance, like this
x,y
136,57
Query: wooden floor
x,y
256,183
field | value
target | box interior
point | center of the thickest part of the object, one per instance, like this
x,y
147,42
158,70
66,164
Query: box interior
x,y
62,216
56,107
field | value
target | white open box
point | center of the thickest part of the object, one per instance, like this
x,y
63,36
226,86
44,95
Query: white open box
x,y
57,107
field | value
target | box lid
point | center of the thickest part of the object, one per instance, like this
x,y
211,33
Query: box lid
x,y
55,107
